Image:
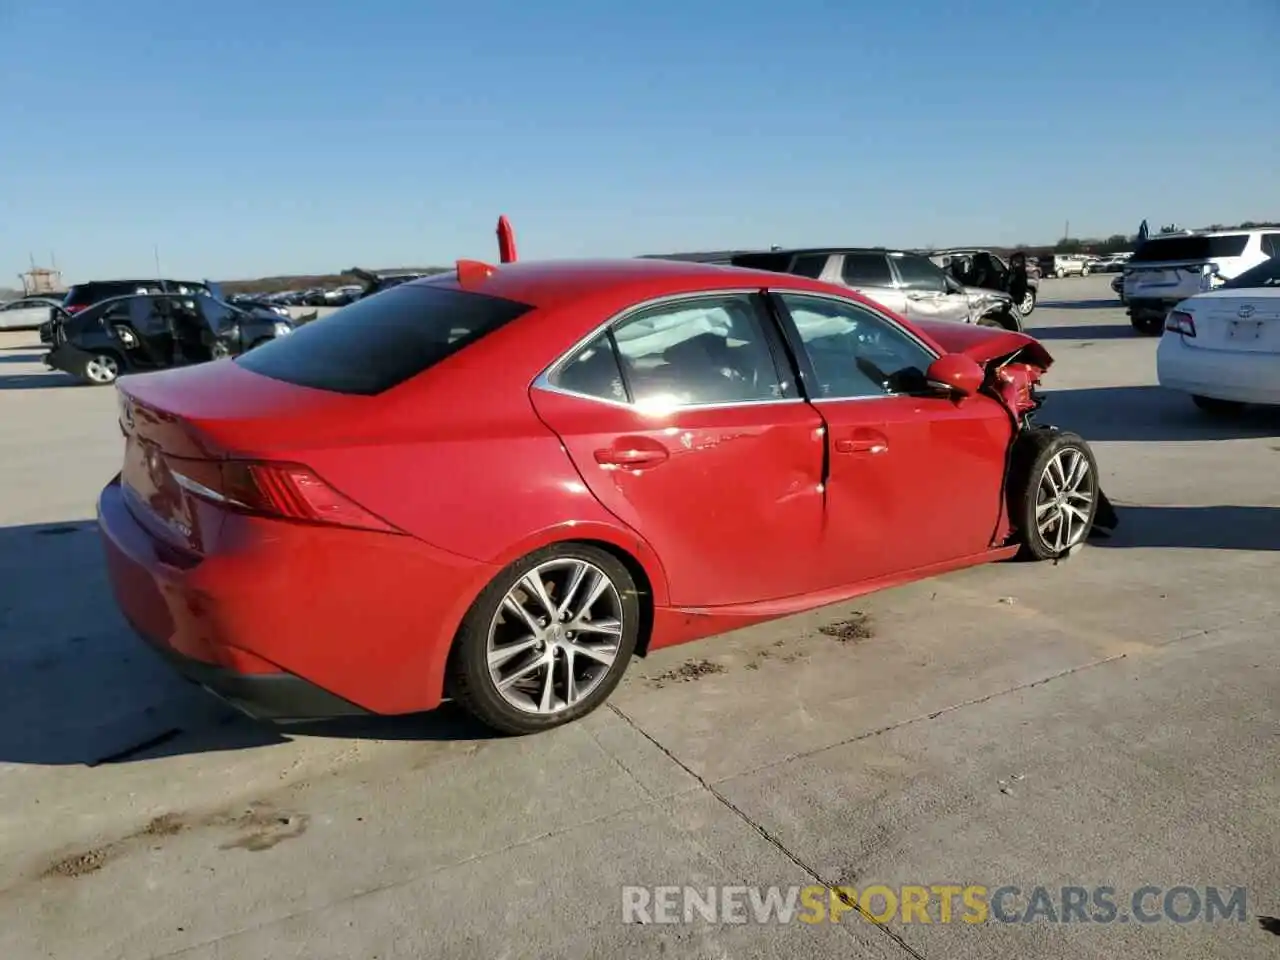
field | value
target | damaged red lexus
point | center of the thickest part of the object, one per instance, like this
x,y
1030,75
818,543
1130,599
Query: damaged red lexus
x,y
499,484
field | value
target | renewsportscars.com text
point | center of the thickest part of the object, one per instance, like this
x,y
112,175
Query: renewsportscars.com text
x,y
932,903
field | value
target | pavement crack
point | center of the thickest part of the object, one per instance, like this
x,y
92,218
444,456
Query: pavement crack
x,y
763,832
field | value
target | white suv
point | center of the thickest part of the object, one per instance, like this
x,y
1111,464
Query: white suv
x,y
1166,270
1072,265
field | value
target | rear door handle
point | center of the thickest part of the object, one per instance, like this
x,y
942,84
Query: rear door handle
x,y
869,442
631,456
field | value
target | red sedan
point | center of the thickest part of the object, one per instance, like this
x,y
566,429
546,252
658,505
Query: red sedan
x,y
501,483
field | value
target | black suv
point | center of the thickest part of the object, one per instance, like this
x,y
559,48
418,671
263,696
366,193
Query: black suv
x,y
81,296
153,332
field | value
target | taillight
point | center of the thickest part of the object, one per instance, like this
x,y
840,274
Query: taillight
x,y
1180,322
285,491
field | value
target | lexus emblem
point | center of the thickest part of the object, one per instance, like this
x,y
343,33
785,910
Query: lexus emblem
x,y
1245,312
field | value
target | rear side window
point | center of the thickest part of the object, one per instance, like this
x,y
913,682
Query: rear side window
x,y
1191,248
85,294
379,342
809,265
773,262
866,270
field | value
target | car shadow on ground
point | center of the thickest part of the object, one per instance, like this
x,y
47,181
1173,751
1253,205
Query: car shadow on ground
x,y
1221,527
1108,331
1149,413
78,687
43,380
1098,304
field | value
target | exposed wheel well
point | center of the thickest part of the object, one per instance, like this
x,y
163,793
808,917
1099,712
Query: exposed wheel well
x,y
643,585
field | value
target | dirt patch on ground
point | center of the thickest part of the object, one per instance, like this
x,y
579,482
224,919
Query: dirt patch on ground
x,y
260,827
691,670
79,864
854,629
165,825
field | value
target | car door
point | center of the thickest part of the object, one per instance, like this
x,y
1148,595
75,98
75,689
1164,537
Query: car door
x,y
927,294
914,478
868,273
684,421
152,322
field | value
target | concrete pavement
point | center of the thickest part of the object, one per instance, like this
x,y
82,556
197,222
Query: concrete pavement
x,y
1110,721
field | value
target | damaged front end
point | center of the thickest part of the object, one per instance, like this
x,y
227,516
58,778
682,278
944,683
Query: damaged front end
x,y
1013,380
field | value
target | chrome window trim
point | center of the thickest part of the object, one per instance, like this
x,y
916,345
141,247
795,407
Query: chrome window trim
x,y
543,380
879,315
866,308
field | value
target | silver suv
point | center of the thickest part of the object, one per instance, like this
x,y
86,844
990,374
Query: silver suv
x,y
906,283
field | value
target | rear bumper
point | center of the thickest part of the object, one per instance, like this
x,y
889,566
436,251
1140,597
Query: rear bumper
x,y
290,621
1218,374
277,697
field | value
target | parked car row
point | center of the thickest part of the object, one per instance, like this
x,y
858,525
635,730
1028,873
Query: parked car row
x,y
152,331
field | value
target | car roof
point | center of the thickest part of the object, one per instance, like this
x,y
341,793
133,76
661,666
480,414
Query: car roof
x,y
552,283
800,251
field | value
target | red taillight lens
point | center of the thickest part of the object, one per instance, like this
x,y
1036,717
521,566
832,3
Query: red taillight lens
x,y
286,491
1180,322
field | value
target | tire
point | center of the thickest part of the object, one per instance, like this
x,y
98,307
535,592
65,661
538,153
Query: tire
x,y
1218,408
1002,320
1084,271
219,351
491,625
1048,460
1060,273
1028,304
1147,324
101,370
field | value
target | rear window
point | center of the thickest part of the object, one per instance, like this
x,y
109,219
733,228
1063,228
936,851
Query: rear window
x,y
381,341
1265,274
1191,248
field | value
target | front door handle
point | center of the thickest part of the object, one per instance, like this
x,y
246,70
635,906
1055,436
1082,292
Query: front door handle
x,y
869,442
632,455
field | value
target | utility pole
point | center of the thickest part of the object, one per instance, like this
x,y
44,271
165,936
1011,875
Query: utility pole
x,y
155,249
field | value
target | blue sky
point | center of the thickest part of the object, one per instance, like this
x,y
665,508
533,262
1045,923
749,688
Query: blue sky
x,y
247,139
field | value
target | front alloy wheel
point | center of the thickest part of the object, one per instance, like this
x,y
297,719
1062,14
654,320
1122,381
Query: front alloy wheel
x,y
548,640
1055,491
1028,303
102,369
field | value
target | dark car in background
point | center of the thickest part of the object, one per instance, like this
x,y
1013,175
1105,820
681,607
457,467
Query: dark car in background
x,y
150,331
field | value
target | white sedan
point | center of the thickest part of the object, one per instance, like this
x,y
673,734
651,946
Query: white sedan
x,y
26,313
1223,347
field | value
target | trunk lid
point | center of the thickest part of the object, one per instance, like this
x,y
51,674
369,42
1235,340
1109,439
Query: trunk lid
x,y
178,424
1238,321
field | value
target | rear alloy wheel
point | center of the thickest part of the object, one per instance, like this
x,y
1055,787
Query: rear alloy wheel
x,y
1028,304
219,351
547,641
1218,408
1147,324
102,369
1084,271
1054,493
1060,273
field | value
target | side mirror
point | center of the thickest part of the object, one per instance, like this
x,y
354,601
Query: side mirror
x,y
956,373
